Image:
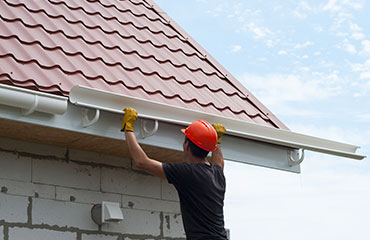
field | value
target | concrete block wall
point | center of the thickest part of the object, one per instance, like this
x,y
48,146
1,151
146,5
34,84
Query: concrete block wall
x,y
47,192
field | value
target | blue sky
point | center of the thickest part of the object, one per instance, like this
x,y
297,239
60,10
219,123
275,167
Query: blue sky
x,y
309,63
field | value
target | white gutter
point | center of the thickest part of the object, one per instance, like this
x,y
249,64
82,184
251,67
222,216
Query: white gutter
x,y
30,101
103,100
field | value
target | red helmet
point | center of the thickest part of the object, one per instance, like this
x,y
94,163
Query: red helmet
x,y
202,134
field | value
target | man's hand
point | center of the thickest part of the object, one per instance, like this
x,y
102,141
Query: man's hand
x,y
220,129
129,119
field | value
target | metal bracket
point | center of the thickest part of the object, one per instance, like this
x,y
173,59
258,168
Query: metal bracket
x,y
291,159
85,117
144,130
26,112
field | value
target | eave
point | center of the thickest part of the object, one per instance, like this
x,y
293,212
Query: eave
x,y
92,119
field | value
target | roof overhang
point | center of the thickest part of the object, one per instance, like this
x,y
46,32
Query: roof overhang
x,y
98,130
112,102
92,118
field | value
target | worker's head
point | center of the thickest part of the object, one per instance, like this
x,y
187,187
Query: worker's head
x,y
190,147
202,138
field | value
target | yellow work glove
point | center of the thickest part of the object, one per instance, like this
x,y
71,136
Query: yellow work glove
x,y
129,119
220,129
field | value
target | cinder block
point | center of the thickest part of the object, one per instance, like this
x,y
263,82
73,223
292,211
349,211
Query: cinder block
x,y
14,167
17,233
130,182
33,148
1,233
27,189
92,157
173,226
13,209
169,192
67,174
62,214
98,237
44,191
85,196
150,204
136,222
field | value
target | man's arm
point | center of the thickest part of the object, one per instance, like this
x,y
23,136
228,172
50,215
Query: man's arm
x,y
217,156
139,157
141,160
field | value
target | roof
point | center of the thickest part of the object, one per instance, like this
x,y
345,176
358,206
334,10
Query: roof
x,y
128,47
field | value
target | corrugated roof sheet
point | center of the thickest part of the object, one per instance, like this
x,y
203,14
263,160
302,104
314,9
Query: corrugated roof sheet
x,y
128,47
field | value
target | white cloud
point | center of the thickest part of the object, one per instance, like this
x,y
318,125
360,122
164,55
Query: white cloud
x,y
259,32
282,52
303,45
357,5
354,27
276,89
366,46
361,67
365,75
337,5
299,14
235,48
332,5
357,36
350,48
356,31
347,46
302,10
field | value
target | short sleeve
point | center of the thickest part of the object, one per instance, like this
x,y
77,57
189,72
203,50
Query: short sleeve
x,y
177,173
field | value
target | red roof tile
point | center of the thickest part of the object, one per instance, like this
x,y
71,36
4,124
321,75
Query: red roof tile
x,y
128,47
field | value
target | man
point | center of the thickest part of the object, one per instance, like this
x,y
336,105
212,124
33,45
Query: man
x,y
200,184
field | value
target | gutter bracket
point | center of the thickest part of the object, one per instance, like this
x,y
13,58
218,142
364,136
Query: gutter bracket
x,y
86,122
144,130
291,159
26,112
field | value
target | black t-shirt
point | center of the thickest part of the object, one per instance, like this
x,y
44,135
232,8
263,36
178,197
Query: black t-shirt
x,y
201,190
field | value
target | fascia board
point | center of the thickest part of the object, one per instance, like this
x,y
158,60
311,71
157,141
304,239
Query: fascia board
x,y
31,101
108,101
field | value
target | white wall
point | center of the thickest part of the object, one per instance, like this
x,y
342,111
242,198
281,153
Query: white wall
x,y
47,192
